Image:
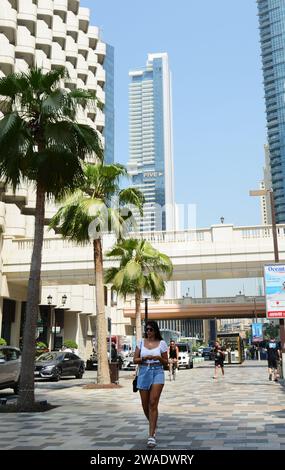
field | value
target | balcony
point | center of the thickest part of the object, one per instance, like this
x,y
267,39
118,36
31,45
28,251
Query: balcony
x,y
101,52
45,11
27,14
73,5
72,25
8,20
59,30
91,82
100,94
82,68
26,44
83,44
60,8
93,34
83,17
57,55
71,50
42,60
44,37
7,55
101,75
92,61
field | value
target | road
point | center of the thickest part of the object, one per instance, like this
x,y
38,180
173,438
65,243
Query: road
x,y
242,411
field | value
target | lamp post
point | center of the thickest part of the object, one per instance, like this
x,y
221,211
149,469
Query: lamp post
x,y
49,301
264,192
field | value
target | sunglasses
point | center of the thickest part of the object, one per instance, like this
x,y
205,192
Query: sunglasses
x,y
149,329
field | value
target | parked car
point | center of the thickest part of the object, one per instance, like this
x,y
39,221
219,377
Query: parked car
x,y
56,364
185,358
208,353
10,366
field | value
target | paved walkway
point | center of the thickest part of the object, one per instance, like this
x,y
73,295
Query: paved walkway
x,y
242,411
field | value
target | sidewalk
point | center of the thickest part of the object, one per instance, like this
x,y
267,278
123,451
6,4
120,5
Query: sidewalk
x,y
242,411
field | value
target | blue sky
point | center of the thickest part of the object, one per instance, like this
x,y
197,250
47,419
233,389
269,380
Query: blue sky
x,y
218,107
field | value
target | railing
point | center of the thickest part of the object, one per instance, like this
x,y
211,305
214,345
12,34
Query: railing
x,y
238,299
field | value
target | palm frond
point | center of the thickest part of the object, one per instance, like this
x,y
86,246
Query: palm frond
x,y
132,196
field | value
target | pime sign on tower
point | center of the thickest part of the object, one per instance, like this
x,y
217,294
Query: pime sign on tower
x,y
274,280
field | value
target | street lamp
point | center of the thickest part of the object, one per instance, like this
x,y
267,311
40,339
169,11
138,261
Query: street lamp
x,y
222,219
64,299
265,192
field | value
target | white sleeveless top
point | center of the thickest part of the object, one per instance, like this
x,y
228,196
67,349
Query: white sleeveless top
x,y
161,348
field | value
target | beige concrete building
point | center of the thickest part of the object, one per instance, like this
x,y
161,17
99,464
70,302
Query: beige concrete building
x,y
49,34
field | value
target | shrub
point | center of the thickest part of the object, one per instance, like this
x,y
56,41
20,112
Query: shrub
x,y
69,343
41,345
3,342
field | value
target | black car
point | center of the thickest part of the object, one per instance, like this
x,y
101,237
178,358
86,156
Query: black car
x,y
56,364
208,354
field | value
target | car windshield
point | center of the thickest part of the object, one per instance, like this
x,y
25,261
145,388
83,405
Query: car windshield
x,y
182,347
48,357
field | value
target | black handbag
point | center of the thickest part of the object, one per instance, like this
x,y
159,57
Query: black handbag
x,y
135,383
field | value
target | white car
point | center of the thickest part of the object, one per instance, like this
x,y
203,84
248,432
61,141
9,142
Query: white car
x,y
10,366
185,358
128,363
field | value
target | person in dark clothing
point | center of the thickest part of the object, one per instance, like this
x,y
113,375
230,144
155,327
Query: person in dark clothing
x,y
173,354
273,356
219,356
114,354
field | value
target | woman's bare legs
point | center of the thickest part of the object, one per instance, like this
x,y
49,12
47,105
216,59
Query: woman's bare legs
x,y
145,402
154,396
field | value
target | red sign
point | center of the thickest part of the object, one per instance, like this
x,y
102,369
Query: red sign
x,y
279,314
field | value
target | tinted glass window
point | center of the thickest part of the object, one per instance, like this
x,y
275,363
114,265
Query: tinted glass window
x,y
47,357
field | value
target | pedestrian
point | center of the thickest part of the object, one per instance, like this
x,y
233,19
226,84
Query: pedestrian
x,y
219,356
273,356
151,356
114,354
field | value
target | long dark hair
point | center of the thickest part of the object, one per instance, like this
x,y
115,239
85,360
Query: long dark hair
x,y
153,324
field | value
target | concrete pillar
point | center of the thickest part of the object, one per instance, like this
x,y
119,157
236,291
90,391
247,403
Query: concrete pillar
x,y
1,314
109,295
15,327
206,323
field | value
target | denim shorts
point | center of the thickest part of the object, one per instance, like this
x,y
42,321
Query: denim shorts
x,y
149,375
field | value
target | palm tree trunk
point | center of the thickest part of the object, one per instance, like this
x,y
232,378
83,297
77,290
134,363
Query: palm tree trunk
x,y
103,373
138,316
27,393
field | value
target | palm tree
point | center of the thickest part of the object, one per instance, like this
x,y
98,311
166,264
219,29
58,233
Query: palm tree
x,y
141,270
40,141
85,216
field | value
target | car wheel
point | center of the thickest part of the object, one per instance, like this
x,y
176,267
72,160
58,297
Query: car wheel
x,y
57,374
191,365
80,373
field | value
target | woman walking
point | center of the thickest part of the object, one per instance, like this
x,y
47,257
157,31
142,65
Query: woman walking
x,y
219,359
151,355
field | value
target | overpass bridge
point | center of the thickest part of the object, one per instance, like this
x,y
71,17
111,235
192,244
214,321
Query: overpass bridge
x,y
219,252
239,306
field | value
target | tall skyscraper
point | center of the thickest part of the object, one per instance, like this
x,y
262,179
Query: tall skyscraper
x,y
272,37
109,130
150,142
266,183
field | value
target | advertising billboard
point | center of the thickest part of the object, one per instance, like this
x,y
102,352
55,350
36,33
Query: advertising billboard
x,y
274,280
257,335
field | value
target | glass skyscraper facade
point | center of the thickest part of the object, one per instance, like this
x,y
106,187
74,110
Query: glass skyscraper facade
x,y
272,38
150,142
109,130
